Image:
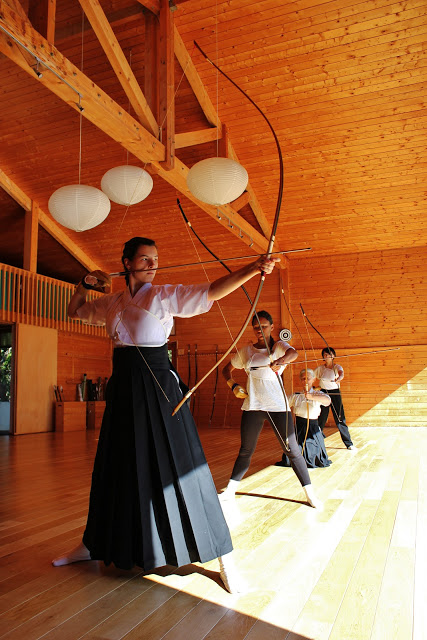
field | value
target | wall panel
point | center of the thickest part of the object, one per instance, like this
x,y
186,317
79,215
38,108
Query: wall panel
x,y
79,354
366,302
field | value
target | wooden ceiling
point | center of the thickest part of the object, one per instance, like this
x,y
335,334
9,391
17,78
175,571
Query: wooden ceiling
x,y
343,84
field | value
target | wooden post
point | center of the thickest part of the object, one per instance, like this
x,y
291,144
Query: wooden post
x,y
151,54
167,84
41,14
31,238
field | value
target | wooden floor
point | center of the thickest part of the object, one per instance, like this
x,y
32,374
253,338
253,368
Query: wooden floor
x,y
355,571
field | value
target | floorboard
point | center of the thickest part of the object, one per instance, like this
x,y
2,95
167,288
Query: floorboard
x,y
354,571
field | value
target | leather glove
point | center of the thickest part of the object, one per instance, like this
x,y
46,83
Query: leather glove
x,y
97,281
237,389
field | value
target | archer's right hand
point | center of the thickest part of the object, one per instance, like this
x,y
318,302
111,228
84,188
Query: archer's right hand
x,y
97,281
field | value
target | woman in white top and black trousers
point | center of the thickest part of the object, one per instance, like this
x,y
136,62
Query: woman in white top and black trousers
x,y
329,376
153,501
265,400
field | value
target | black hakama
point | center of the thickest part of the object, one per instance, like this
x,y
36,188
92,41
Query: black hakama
x,y
314,452
153,501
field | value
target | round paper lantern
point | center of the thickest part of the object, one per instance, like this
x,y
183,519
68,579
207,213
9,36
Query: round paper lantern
x,y
127,184
217,180
79,207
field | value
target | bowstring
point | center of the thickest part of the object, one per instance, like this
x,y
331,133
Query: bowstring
x,y
318,362
305,359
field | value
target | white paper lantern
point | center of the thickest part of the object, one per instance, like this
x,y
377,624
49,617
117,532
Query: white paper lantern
x,y
127,184
217,180
79,207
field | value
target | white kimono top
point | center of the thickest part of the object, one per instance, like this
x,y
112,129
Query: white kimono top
x,y
264,389
326,376
299,403
145,320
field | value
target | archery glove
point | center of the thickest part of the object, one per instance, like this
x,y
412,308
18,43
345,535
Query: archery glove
x,y
237,389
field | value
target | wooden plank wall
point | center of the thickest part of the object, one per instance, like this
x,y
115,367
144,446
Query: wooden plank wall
x,y
364,302
79,354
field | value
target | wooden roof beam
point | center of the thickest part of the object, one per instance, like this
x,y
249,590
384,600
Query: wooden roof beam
x,y
194,80
241,202
120,65
108,116
151,5
46,222
74,87
192,138
17,7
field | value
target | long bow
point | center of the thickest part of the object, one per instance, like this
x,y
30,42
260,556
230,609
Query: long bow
x,y
305,360
270,243
279,379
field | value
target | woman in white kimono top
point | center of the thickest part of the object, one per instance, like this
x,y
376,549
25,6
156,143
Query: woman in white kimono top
x,y
264,400
310,439
153,501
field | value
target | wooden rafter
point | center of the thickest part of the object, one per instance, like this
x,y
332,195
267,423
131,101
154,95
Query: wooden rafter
x,y
46,222
241,202
16,6
108,116
194,81
117,58
152,5
191,138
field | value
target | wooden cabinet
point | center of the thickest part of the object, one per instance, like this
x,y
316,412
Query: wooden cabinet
x,y
95,411
70,416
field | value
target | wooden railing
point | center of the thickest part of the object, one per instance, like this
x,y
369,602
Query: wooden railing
x,y
34,299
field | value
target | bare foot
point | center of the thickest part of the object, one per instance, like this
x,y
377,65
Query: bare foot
x,y
78,554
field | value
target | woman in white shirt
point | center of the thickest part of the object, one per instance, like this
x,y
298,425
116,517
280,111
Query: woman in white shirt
x,y
329,376
153,501
308,404
265,400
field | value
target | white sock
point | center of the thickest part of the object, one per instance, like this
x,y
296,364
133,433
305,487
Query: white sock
x,y
230,490
229,574
312,499
78,554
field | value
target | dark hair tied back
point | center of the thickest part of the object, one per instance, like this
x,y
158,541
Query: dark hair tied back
x,y
131,247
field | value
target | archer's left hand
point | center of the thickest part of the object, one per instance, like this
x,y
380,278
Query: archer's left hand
x,y
266,264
